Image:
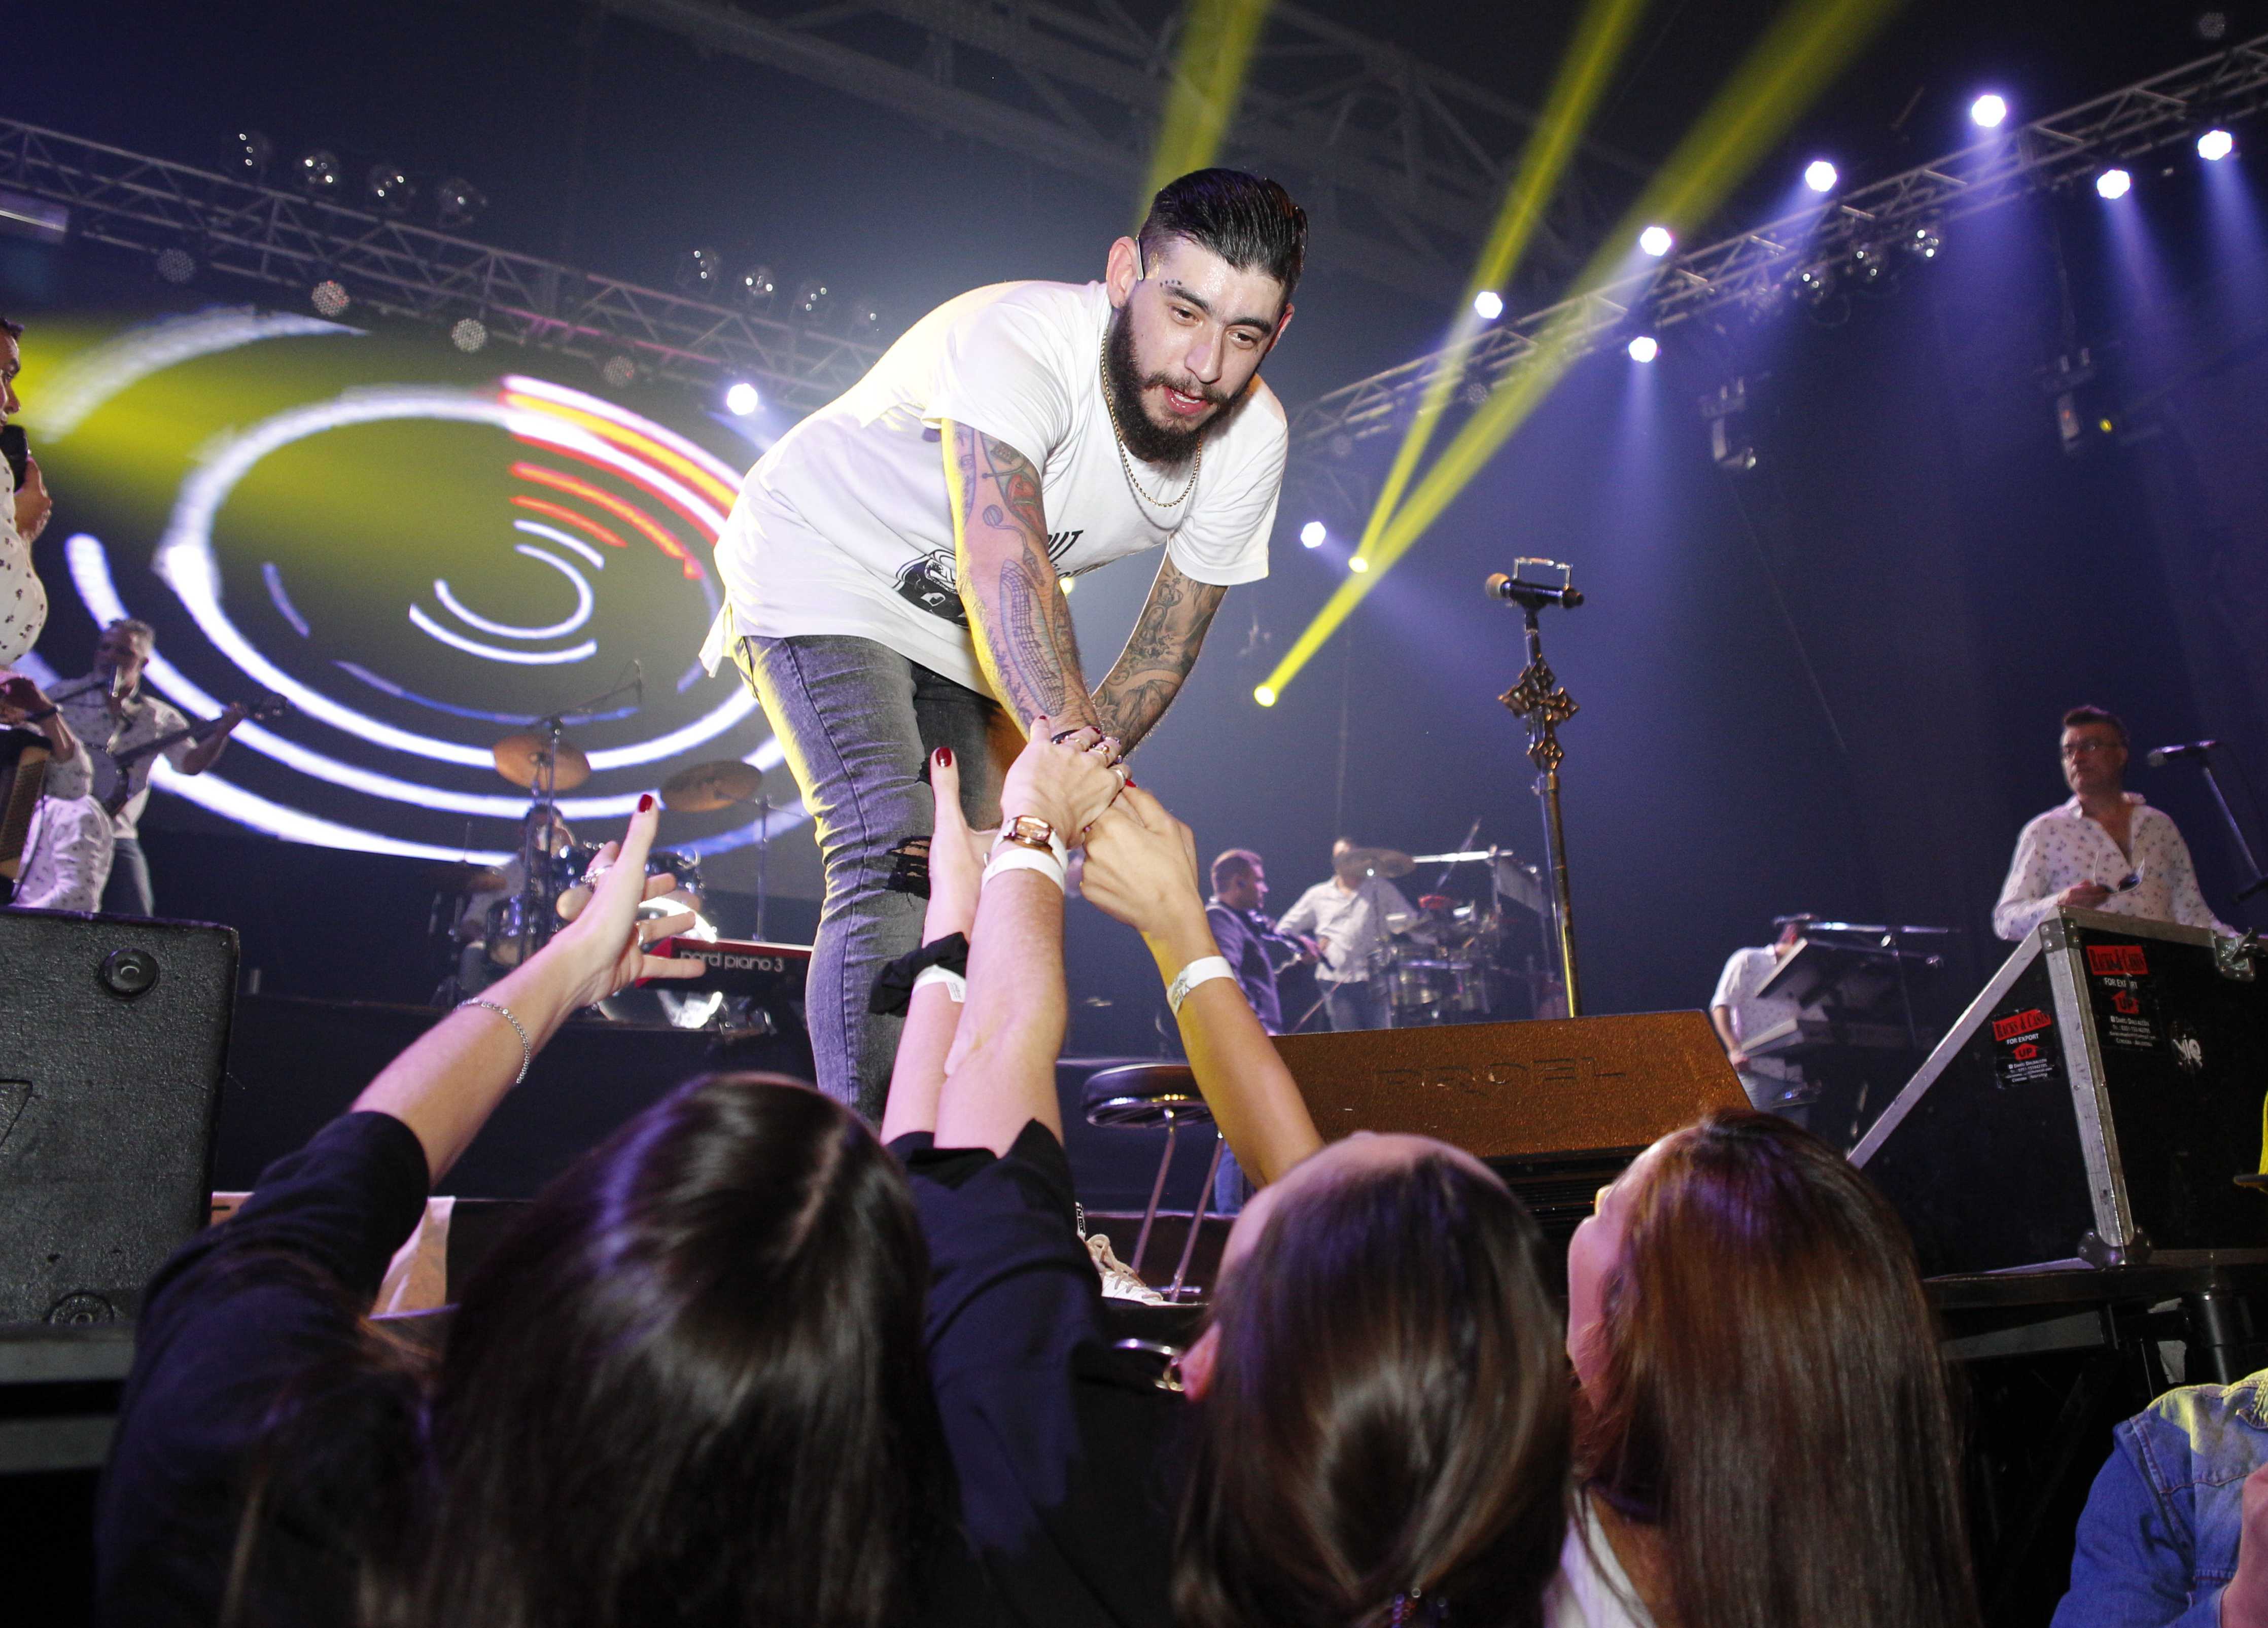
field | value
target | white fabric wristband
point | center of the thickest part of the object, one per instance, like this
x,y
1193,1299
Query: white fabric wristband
x,y
955,985
1203,969
1016,857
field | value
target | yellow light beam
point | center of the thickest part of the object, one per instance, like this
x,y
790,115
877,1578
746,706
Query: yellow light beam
x,y
1216,50
1806,45
1584,73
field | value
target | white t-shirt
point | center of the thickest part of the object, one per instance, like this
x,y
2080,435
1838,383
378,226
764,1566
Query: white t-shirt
x,y
1748,972
1592,1590
844,527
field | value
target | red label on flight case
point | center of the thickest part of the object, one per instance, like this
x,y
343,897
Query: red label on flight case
x,y
2111,960
2021,1023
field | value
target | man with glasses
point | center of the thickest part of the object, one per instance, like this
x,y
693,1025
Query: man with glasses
x,y
2104,849
895,566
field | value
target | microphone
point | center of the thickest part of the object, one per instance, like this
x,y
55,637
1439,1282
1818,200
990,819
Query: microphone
x,y
1512,589
637,679
121,686
2165,755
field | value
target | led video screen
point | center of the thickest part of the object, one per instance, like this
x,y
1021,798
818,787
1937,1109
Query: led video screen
x,y
421,552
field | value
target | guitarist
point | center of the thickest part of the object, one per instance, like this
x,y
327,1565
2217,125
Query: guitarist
x,y
112,717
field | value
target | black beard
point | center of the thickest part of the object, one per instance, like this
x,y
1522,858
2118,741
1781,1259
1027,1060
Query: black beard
x,y
1146,439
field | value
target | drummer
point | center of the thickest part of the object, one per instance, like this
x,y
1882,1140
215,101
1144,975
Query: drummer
x,y
543,833
1352,918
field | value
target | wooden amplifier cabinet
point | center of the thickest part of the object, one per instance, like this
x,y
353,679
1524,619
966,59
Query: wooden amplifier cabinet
x,y
1556,1106
2092,1104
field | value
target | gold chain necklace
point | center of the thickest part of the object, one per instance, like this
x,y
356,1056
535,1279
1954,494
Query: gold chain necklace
x,y
1118,439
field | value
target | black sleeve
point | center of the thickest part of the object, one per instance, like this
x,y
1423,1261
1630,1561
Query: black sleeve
x,y
229,1324
1058,1442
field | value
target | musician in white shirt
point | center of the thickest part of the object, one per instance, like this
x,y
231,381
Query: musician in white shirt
x,y
1352,918
113,716
1774,1085
2104,849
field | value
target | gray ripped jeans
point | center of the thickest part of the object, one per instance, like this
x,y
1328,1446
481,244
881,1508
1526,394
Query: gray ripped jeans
x,y
858,720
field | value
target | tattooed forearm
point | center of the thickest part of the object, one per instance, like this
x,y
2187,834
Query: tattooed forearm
x,y
1015,602
1158,653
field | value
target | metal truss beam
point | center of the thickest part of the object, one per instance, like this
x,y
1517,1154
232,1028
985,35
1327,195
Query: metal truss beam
x,y
263,234
1401,166
1758,267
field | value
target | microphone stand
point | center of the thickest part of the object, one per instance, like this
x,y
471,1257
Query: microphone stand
x,y
1538,699
2258,881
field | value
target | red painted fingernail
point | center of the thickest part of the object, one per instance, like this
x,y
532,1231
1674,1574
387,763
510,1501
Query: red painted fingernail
x,y
646,803
945,757
1130,779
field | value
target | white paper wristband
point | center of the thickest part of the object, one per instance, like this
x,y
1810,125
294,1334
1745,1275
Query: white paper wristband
x,y
955,985
1203,969
1016,857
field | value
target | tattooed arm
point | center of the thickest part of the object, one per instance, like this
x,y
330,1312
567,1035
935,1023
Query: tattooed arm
x,y
1158,653
1015,602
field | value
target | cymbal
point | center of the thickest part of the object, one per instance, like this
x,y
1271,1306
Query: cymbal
x,y
463,876
1374,862
525,759
706,787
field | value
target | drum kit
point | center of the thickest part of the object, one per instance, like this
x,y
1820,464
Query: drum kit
x,y
506,913
1444,963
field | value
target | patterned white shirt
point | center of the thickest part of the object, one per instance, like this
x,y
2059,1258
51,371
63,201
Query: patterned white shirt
x,y
146,718
1353,926
23,600
67,854
2063,847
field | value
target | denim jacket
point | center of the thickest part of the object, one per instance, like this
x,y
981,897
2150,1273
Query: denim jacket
x,y
2157,1543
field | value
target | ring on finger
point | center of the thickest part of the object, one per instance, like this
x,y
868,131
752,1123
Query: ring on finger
x,y
591,877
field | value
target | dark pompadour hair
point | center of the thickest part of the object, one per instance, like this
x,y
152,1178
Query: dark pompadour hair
x,y
2094,715
14,330
1247,220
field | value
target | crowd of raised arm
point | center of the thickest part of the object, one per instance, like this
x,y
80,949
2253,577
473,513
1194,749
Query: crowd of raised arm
x,y
751,1362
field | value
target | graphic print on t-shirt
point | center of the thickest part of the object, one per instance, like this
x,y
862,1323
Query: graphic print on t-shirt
x,y
931,583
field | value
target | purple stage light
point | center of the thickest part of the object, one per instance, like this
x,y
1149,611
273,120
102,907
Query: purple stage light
x,y
1655,240
1643,348
1488,304
2114,183
1820,175
2215,144
1312,534
1989,111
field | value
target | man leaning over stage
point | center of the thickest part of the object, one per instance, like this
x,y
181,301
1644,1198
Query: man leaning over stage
x,y
2104,849
896,565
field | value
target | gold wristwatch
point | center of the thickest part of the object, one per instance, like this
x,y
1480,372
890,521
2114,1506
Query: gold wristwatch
x,y
1030,831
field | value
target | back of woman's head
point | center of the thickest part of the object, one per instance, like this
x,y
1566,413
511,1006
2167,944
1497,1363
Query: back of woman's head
x,y
1769,1392
1386,1415
689,1386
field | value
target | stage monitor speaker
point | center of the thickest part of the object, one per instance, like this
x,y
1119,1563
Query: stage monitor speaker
x,y
1556,1106
112,1041
2094,1103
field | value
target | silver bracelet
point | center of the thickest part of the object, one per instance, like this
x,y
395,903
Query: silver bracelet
x,y
527,1048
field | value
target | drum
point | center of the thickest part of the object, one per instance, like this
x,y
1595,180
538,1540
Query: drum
x,y
1432,989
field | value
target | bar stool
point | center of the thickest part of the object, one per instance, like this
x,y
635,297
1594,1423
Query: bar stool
x,y
1144,1096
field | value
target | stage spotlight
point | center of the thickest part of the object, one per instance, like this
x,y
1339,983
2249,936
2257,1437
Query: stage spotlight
x,y
741,398
390,190
1357,564
1488,304
1868,264
699,270
254,153
176,265
1265,696
1989,111
865,319
1643,348
811,298
2211,26
469,333
1820,175
1312,534
2215,144
1815,284
1655,240
618,371
329,298
757,286
1922,242
2114,183
458,201
317,173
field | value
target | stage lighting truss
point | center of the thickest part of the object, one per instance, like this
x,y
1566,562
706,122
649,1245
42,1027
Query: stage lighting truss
x,y
239,230
1809,255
